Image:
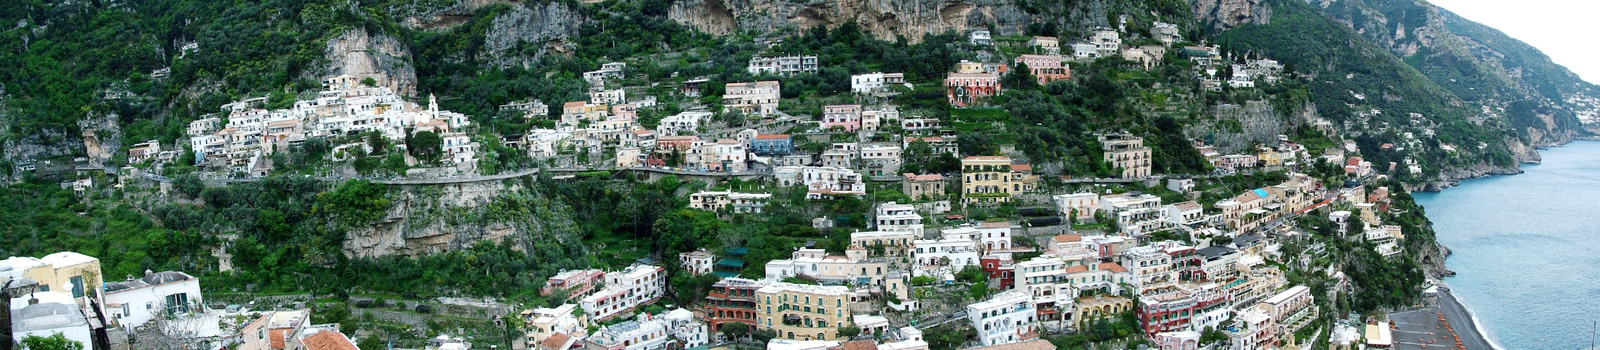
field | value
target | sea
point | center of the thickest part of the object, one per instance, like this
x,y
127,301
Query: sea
x,y
1526,249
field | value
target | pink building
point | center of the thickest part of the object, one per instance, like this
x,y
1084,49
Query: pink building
x,y
844,116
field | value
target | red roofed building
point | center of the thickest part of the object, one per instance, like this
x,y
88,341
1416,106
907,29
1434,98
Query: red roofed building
x,y
1046,68
327,340
967,89
1001,273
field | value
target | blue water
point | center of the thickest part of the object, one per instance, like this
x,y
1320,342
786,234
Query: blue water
x,y
1527,248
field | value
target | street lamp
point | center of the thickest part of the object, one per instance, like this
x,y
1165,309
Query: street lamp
x,y
12,288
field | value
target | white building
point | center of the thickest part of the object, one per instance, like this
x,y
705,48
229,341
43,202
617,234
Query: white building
x,y
821,182
786,65
1151,268
1084,204
686,123
698,262
738,202
1006,318
875,82
170,294
942,258
204,126
608,97
543,323
897,217
646,333
48,318
1106,42
625,290
880,160
1136,213
682,325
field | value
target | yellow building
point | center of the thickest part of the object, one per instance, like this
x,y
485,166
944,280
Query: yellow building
x,y
1099,307
993,179
65,272
1127,154
803,312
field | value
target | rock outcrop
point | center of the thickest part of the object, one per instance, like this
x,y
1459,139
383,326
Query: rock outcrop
x,y
884,19
384,58
1226,14
1258,123
434,219
546,27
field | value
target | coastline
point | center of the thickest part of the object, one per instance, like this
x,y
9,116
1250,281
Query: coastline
x,y
1456,313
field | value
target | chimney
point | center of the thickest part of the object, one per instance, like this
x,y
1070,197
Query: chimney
x,y
147,272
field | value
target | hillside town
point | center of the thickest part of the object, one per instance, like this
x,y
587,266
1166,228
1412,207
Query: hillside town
x,y
990,244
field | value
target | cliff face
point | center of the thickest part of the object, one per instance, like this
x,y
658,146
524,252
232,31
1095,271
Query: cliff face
x,y
884,19
1257,123
1476,63
386,59
545,27
434,219
1226,14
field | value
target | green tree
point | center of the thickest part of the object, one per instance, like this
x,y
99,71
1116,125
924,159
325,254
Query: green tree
x,y
377,142
372,342
733,330
425,145
56,341
189,185
971,274
849,332
368,81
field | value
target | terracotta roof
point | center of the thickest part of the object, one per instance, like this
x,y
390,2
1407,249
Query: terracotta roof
x,y
555,341
1187,205
276,338
328,340
859,345
1113,267
1036,344
1077,269
923,177
1022,167
572,104
773,137
1068,238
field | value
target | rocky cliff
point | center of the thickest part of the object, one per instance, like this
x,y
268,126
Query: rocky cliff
x,y
1226,14
884,19
1476,63
1237,129
357,52
433,219
528,31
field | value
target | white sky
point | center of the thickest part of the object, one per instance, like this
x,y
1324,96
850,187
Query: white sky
x,y
1562,29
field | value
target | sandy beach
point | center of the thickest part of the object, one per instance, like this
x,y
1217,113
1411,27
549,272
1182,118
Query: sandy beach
x,y
1422,329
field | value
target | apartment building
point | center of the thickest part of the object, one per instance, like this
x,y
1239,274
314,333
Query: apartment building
x,y
919,187
543,323
625,290
802,312
1126,153
784,65
846,117
1008,317
881,160
875,82
1045,68
733,300
755,98
993,179
733,201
